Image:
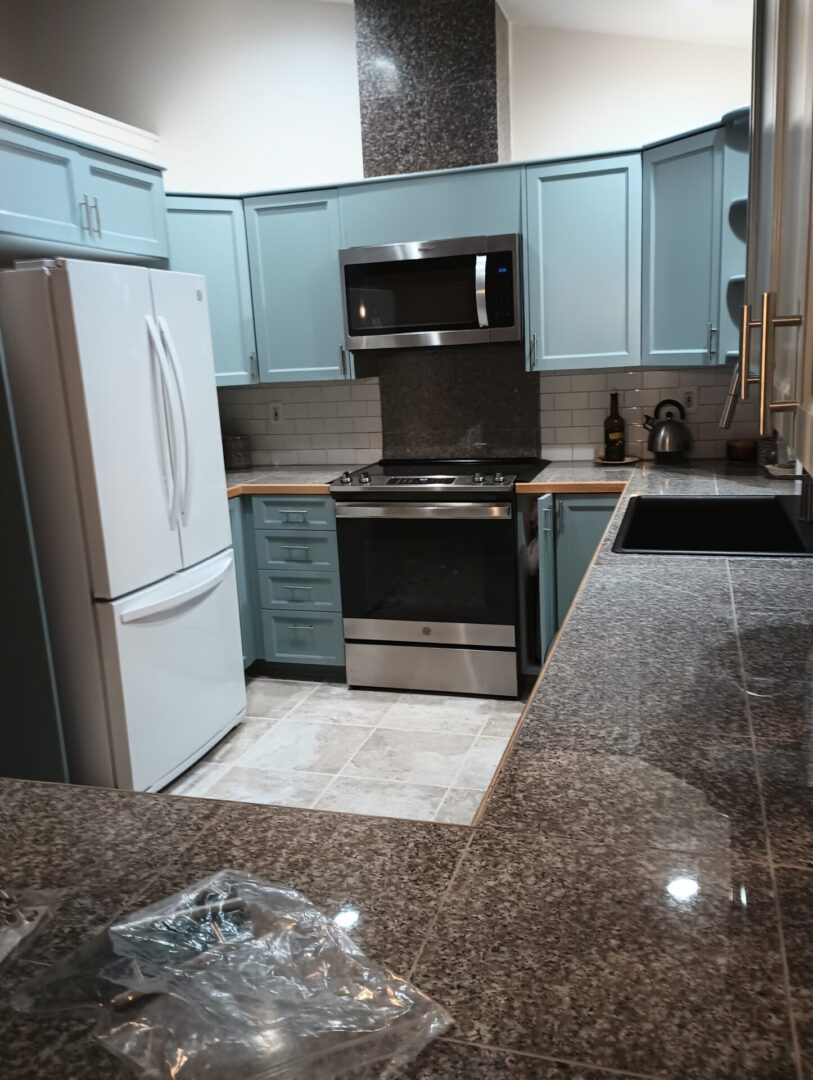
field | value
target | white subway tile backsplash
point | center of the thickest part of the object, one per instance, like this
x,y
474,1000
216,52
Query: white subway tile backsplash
x,y
326,423
571,400
557,453
584,453
591,381
640,391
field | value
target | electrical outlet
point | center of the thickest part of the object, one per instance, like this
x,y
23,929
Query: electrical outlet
x,y
276,412
690,398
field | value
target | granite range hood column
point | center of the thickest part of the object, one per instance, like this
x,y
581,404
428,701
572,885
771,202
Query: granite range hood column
x,y
433,84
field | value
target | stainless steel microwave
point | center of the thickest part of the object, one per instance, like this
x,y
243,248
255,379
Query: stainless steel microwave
x,y
432,292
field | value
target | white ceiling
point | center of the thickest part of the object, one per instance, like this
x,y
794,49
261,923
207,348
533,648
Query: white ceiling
x,y
723,22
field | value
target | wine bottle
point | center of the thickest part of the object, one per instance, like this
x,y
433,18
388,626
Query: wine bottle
x,y
615,448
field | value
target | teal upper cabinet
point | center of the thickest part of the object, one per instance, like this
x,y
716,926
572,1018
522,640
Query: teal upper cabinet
x,y
208,236
681,251
125,207
583,263
440,207
55,197
734,218
293,248
39,187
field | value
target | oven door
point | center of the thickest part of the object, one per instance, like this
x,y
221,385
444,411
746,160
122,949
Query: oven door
x,y
440,292
430,573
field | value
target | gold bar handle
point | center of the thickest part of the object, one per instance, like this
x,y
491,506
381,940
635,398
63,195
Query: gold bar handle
x,y
747,324
766,362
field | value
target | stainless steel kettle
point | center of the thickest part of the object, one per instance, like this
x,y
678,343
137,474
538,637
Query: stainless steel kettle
x,y
669,439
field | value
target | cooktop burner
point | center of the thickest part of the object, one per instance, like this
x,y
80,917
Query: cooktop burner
x,y
495,474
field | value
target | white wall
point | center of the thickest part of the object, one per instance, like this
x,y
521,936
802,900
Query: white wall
x,y
245,94
576,93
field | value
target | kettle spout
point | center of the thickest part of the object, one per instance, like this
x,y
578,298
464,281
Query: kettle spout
x,y
649,422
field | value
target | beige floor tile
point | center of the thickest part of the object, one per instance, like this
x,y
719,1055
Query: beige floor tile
x,y
275,698
381,798
278,788
197,780
419,757
333,704
296,745
502,727
433,712
239,740
480,764
459,806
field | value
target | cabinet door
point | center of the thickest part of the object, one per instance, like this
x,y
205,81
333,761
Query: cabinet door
x,y
127,205
580,524
548,622
39,188
208,236
244,571
293,247
583,263
438,207
681,250
307,637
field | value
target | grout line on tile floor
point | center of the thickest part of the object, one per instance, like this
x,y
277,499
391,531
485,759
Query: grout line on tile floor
x,y
794,1035
459,771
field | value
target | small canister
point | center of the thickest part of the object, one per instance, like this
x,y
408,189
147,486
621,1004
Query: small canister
x,y
237,452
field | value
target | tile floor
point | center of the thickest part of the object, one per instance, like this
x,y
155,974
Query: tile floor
x,y
425,757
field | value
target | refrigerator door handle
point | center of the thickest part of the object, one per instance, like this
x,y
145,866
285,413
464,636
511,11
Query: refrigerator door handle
x,y
167,421
166,335
175,600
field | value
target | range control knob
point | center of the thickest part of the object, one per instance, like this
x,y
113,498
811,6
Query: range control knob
x,y
364,478
499,478
346,478
478,478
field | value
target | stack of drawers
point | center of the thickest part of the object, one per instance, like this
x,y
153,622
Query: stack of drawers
x,y
299,597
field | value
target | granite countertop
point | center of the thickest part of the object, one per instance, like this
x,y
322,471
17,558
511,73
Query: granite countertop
x,y
636,899
575,476
284,479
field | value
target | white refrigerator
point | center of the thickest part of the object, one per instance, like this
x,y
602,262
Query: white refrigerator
x,y
113,389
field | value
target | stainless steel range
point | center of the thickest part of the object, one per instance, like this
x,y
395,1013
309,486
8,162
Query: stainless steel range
x,y
428,557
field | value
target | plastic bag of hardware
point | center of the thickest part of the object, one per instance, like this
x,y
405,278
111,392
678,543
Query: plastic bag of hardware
x,y
23,914
235,977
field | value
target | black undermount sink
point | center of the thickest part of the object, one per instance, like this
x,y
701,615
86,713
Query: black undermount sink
x,y
714,525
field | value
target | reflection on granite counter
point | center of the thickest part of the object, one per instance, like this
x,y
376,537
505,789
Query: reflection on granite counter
x,y
638,894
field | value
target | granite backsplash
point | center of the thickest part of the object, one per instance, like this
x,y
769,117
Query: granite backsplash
x,y
456,402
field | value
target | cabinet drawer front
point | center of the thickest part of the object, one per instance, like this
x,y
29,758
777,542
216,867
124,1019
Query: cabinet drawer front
x,y
293,512
284,550
307,637
287,589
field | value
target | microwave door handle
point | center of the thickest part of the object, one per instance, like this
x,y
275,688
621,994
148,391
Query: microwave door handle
x,y
480,290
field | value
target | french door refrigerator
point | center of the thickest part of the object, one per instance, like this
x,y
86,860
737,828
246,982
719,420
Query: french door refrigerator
x,y
113,389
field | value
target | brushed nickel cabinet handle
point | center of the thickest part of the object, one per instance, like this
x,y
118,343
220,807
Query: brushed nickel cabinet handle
x,y
300,626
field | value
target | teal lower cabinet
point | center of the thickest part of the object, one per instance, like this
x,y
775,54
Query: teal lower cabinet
x,y
242,533
303,637
570,530
296,580
580,524
289,590
548,622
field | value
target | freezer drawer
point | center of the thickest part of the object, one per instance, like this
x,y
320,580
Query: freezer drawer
x,y
173,671
295,511
296,550
289,589
304,637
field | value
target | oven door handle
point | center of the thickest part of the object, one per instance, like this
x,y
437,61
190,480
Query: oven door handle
x,y
451,511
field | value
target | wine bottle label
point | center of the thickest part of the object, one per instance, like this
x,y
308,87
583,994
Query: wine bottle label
x,y
615,436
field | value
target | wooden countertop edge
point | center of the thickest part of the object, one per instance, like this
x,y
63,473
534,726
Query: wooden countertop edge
x,y
572,487
277,489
